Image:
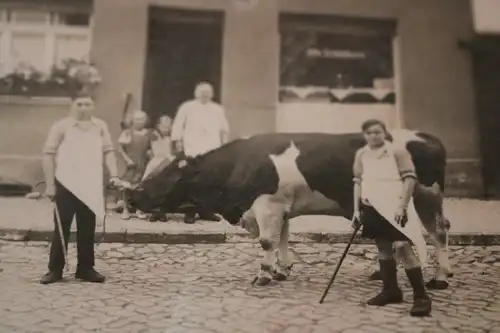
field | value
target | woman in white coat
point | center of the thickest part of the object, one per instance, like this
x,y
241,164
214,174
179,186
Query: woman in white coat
x,y
199,127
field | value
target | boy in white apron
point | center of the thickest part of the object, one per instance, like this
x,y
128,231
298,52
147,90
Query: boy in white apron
x,y
384,181
73,156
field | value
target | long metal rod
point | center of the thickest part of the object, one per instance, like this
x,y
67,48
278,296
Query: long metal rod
x,y
61,236
357,227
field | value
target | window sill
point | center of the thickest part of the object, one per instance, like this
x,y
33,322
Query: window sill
x,y
33,100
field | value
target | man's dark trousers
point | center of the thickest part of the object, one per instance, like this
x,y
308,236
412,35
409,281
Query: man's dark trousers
x,y
68,206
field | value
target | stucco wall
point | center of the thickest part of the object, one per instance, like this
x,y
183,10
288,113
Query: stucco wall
x,y
24,126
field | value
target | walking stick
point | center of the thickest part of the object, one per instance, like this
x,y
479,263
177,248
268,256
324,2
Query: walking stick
x,y
356,228
61,236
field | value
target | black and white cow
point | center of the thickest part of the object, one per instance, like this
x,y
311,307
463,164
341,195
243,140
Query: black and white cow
x,y
263,181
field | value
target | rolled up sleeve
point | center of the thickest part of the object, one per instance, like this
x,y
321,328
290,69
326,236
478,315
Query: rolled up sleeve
x,y
54,139
357,168
405,164
107,143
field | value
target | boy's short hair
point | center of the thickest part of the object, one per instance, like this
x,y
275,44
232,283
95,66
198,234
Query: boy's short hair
x,y
372,122
80,94
163,117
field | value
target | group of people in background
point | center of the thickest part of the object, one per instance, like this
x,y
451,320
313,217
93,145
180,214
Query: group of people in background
x,y
199,126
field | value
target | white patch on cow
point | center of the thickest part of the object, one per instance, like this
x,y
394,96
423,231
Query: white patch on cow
x,y
289,176
401,137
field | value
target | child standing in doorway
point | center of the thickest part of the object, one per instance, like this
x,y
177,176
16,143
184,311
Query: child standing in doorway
x,y
134,146
161,148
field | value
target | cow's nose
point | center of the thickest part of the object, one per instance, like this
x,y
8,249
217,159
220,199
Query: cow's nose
x,y
266,244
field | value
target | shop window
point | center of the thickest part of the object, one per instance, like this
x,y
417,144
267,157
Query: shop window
x,y
320,60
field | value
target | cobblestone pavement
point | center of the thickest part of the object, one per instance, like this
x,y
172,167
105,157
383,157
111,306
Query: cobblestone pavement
x,y
206,288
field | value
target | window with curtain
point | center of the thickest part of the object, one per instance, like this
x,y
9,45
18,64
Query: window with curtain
x,y
71,46
329,59
29,48
73,19
32,41
43,37
336,59
30,17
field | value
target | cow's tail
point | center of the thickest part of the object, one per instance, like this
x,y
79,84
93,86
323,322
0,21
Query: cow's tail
x,y
441,174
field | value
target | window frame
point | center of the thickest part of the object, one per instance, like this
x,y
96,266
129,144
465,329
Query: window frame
x,y
51,29
318,25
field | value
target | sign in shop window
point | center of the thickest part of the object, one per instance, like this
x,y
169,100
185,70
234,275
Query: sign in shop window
x,y
335,67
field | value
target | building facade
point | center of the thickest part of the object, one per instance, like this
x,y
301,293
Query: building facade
x,y
296,65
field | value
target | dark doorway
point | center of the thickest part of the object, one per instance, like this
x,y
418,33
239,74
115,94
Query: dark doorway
x,y
184,48
485,51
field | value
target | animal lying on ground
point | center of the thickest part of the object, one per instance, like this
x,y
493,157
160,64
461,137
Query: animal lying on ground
x,y
263,181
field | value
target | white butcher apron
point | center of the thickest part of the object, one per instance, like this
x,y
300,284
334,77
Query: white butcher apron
x,y
80,167
382,187
162,150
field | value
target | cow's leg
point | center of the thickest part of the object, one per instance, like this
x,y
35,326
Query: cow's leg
x,y
269,216
439,238
429,206
422,304
284,262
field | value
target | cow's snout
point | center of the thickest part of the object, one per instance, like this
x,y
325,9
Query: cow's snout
x,y
266,244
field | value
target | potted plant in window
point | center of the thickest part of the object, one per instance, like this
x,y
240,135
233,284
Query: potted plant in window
x,y
24,80
66,77
85,74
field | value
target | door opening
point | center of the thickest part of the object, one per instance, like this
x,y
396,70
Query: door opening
x,y
485,52
184,48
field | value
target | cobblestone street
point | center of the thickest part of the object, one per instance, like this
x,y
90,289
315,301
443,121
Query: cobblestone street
x,y
206,288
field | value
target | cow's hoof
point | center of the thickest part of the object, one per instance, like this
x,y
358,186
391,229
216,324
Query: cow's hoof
x,y
279,277
375,276
437,285
263,281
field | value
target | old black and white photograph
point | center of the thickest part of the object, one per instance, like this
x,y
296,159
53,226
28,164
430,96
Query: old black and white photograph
x,y
250,166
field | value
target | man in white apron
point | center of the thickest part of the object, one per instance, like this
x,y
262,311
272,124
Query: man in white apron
x,y
385,179
199,127
73,156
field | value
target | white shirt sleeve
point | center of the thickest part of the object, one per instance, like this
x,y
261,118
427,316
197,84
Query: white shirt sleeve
x,y
224,125
179,123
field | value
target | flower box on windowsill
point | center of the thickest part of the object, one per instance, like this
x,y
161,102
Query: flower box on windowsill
x,y
19,87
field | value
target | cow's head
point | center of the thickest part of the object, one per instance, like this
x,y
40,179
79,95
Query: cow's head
x,y
165,189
